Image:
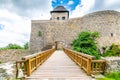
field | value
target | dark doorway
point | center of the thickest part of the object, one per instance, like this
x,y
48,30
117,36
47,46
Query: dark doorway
x,y
59,45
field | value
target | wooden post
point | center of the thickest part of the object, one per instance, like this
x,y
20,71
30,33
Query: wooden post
x,y
89,67
81,62
25,67
28,67
16,70
36,62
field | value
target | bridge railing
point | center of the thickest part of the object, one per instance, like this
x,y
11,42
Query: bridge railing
x,y
86,62
31,62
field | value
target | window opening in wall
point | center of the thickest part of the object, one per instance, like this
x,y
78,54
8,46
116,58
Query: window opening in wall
x,y
58,18
111,34
63,18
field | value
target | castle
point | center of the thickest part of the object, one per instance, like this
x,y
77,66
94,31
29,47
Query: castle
x,y
60,30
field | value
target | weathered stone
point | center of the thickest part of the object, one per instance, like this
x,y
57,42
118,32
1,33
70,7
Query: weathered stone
x,y
107,23
97,76
7,71
12,55
113,64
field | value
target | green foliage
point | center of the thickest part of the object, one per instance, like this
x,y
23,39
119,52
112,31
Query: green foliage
x,y
114,50
0,62
85,43
111,76
105,79
114,75
15,46
39,33
11,46
26,45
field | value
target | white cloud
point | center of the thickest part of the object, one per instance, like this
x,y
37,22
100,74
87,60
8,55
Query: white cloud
x,y
111,3
70,2
17,27
61,2
82,8
88,6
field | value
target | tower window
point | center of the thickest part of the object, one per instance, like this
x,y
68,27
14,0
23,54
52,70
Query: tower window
x,y
58,18
63,18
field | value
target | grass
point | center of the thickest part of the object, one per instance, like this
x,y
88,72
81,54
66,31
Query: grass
x,y
111,76
106,79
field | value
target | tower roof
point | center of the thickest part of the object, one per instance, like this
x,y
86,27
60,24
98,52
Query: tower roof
x,y
60,9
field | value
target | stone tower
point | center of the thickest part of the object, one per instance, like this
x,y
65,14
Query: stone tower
x,y
61,30
59,13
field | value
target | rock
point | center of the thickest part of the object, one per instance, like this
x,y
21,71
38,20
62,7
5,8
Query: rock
x,y
2,70
20,73
97,76
7,71
112,64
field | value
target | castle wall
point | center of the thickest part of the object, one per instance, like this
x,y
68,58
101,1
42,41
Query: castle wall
x,y
107,23
36,41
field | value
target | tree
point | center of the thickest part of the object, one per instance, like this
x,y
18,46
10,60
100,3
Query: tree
x,y
13,46
85,42
26,45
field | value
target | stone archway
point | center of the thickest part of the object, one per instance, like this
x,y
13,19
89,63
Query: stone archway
x,y
59,45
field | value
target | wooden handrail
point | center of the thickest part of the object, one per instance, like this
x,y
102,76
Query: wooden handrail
x,y
86,62
20,65
29,63
97,66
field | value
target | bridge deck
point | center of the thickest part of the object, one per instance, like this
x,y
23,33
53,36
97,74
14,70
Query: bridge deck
x,y
59,67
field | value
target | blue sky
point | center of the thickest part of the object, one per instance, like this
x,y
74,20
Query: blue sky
x,y
67,3
16,15
1,26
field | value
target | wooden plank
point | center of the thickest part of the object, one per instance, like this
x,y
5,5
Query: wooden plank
x,y
59,65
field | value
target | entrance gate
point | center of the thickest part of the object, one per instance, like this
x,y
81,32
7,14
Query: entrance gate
x,y
59,45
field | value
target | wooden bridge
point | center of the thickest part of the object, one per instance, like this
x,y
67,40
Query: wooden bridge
x,y
52,65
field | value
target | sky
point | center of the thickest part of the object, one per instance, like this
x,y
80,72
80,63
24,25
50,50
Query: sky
x,y
16,15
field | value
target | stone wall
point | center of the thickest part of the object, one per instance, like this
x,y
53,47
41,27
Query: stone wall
x,y
112,64
107,23
12,55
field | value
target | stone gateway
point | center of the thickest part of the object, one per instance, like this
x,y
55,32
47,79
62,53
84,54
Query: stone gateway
x,y
60,29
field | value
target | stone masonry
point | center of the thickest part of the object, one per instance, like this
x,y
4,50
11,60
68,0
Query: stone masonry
x,y
112,64
107,23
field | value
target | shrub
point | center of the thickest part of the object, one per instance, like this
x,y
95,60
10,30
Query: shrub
x,y
85,42
0,62
26,45
112,76
114,50
39,33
